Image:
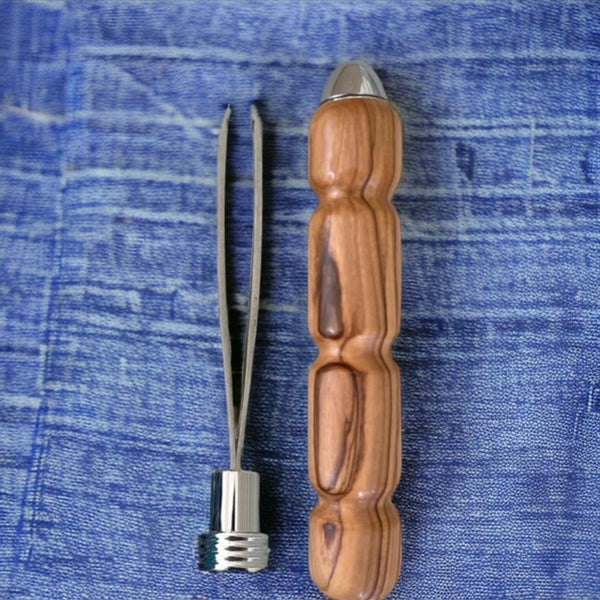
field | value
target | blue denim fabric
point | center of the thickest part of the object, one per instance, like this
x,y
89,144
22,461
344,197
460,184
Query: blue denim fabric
x,y
112,413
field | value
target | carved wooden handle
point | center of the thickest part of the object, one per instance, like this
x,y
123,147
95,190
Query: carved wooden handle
x,y
355,161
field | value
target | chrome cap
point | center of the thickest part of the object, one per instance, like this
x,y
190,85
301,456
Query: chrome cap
x,y
354,78
234,540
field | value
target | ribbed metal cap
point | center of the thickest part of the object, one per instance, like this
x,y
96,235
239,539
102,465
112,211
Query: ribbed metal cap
x,y
234,540
354,78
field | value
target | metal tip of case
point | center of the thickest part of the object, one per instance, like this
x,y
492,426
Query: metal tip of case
x,y
354,78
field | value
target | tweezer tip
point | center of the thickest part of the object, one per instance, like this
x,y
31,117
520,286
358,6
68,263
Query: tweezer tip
x,y
256,120
254,114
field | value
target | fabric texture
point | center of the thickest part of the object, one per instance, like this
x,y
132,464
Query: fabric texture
x,y
112,413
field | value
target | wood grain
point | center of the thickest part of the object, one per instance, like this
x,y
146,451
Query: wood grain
x,y
355,162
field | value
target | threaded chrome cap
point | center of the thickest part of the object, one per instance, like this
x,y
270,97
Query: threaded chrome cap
x,y
234,541
226,551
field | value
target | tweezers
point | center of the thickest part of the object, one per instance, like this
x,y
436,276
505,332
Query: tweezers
x,y
234,540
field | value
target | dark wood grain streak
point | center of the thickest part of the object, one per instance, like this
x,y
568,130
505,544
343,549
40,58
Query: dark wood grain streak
x,y
330,302
354,317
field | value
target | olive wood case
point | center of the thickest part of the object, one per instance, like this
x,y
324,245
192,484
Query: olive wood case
x,y
355,161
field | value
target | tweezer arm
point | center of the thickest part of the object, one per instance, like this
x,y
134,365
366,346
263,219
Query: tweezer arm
x,y
222,280
254,292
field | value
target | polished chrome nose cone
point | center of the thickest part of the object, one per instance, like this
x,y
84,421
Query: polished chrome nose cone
x,y
354,78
